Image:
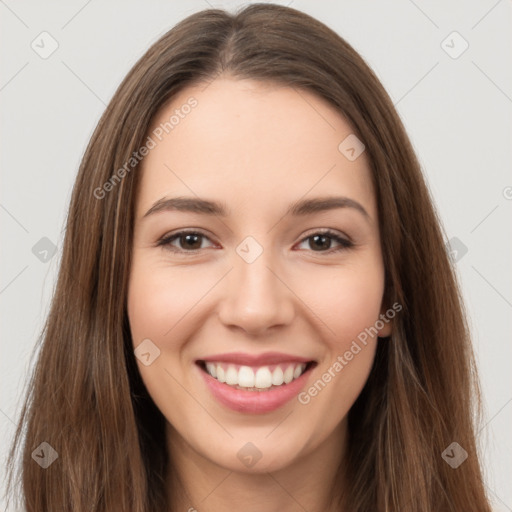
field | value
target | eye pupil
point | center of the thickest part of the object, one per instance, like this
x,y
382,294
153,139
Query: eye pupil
x,y
188,237
324,238
192,241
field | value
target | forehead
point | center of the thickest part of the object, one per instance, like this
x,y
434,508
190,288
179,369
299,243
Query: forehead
x,y
252,143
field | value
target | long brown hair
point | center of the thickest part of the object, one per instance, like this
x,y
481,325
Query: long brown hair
x,y
86,398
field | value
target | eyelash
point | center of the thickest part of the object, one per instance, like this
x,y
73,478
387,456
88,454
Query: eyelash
x,y
165,241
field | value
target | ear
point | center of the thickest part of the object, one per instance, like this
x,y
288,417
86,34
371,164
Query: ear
x,y
385,322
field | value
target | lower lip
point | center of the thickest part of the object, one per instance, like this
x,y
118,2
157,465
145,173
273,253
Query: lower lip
x,y
254,402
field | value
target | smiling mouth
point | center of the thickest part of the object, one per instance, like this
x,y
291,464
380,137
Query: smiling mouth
x,y
258,378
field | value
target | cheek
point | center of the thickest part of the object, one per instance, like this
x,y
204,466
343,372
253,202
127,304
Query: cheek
x,y
158,301
347,301
157,305
148,307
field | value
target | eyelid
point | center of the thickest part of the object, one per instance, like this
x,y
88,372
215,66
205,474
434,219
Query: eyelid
x,y
327,231
344,241
166,240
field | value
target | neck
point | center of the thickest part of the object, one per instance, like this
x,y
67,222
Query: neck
x,y
312,482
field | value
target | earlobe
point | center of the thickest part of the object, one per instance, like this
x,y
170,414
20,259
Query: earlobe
x,y
386,331
384,324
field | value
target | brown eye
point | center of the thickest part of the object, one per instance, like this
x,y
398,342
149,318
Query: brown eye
x,y
187,241
322,242
191,241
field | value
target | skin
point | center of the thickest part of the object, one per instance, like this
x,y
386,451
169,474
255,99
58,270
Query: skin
x,y
257,148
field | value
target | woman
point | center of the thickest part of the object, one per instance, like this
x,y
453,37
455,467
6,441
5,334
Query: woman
x,y
310,352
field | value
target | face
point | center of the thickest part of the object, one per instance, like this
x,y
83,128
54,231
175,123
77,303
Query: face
x,y
257,277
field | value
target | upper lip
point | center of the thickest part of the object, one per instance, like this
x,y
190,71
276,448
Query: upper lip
x,y
264,359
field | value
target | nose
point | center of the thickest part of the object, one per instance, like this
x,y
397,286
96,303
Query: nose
x,y
256,297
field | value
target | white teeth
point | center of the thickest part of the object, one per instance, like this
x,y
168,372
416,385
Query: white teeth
x,y
220,374
262,378
277,376
288,375
232,376
211,369
245,377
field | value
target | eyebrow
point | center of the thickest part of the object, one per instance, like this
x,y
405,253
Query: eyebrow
x,y
207,207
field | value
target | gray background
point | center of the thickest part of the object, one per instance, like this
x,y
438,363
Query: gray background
x,y
456,108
